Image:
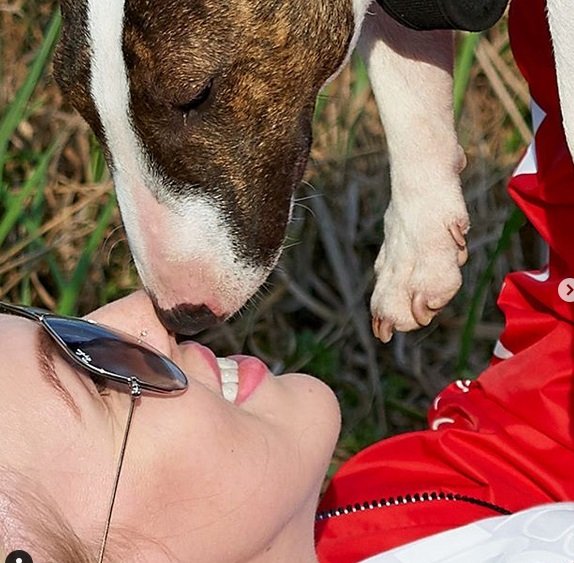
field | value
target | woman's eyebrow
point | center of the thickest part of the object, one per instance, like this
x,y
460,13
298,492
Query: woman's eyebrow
x,y
45,356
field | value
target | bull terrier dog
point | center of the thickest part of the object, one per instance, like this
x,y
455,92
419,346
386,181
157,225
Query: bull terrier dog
x,y
204,112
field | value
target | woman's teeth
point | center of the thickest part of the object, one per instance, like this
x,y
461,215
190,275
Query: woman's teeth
x,y
229,378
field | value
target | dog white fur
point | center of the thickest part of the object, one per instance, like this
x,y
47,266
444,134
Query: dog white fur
x,y
417,269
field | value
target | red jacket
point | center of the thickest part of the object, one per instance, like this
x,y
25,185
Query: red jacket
x,y
505,441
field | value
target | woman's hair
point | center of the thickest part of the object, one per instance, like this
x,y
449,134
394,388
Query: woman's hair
x,y
30,520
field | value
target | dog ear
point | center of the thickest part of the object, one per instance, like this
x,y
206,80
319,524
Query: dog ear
x,y
71,69
74,16
68,6
65,6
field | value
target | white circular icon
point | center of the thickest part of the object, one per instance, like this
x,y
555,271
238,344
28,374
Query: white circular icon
x,y
566,290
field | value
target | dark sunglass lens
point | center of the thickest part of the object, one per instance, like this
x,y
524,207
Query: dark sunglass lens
x,y
118,353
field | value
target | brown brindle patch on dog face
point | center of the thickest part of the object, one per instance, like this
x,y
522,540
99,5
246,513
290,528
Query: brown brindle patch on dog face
x,y
259,64
72,62
246,145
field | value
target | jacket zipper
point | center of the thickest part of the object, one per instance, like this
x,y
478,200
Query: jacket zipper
x,y
407,499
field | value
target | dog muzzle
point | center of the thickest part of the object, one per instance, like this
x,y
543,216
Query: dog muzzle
x,y
467,15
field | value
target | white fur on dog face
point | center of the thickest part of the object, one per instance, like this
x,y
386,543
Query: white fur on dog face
x,y
211,272
177,245
360,8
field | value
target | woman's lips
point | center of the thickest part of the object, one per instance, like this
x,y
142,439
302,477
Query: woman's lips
x,y
206,355
252,372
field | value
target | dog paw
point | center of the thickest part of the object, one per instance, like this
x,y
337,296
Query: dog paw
x,y
418,268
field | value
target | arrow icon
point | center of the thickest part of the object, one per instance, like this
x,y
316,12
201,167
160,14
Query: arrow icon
x,y
566,290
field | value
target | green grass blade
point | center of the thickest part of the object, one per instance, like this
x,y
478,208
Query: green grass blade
x,y
359,85
68,299
360,76
32,221
98,168
56,272
11,119
462,70
15,206
511,226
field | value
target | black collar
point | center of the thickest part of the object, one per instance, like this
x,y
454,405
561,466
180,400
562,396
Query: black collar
x,y
468,15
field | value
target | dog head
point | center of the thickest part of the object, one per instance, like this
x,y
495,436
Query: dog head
x,y
204,110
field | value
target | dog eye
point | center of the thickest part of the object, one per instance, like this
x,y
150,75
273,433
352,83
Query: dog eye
x,y
197,101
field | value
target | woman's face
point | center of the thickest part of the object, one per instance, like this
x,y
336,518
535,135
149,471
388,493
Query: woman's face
x,y
204,479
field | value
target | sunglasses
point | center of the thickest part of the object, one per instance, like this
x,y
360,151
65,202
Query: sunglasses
x,y
112,355
106,352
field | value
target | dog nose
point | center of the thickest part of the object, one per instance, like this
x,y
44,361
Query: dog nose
x,y
186,319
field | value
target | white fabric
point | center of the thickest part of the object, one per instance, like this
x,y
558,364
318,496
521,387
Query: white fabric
x,y
543,534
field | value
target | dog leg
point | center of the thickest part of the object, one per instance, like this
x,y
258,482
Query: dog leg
x,y
561,20
418,268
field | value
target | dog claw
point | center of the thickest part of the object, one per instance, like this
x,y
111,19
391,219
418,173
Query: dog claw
x,y
462,257
375,324
382,329
457,231
418,269
422,312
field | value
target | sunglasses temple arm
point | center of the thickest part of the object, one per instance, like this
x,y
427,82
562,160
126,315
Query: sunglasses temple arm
x,y
135,393
32,313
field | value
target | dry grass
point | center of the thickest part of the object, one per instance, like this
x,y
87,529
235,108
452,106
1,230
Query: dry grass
x,y
313,313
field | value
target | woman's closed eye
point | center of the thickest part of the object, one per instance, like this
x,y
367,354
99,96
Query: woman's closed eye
x,y
100,383
46,353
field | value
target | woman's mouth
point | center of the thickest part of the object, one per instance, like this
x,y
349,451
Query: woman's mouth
x,y
240,376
